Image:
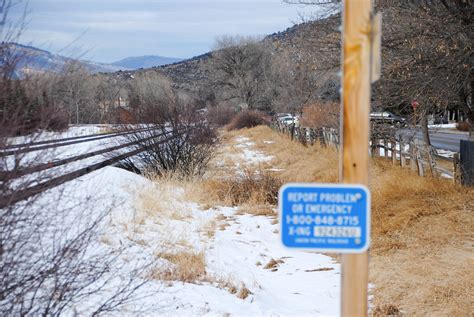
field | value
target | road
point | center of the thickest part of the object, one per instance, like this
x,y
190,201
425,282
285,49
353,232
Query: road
x,y
440,139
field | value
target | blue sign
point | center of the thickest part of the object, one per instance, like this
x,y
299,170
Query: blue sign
x,y
325,217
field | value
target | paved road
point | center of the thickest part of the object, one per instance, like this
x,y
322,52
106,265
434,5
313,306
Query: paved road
x,y
439,139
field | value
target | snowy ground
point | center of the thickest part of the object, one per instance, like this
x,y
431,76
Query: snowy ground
x,y
242,252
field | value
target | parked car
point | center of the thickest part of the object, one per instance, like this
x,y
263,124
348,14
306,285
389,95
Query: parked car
x,y
386,117
287,120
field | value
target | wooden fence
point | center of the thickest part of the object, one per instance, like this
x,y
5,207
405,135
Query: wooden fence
x,y
413,154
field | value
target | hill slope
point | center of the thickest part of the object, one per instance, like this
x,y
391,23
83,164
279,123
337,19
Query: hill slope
x,y
145,62
34,60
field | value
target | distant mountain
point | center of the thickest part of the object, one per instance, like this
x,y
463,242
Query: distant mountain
x,y
145,62
34,60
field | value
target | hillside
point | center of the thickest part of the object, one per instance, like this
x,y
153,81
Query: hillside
x,y
191,74
148,61
34,60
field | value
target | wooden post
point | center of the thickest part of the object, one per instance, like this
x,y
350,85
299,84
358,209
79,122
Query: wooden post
x,y
373,146
385,147
393,148
413,164
323,137
419,161
403,161
457,169
356,80
431,160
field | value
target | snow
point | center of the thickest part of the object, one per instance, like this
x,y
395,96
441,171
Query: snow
x,y
445,153
442,126
148,218
249,155
72,131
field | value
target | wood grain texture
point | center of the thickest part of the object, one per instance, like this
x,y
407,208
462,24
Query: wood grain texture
x,y
355,131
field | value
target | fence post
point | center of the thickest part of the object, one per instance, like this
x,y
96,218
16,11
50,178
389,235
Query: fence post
x,y
323,137
373,146
413,163
393,147
457,169
403,161
385,146
432,160
419,161
303,136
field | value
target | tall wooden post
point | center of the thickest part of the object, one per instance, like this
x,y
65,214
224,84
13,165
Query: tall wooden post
x,y
356,80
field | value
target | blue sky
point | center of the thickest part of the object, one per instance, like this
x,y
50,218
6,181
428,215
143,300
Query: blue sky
x,y
108,30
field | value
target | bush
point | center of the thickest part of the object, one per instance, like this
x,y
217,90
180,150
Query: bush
x,y
220,116
246,119
321,114
463,126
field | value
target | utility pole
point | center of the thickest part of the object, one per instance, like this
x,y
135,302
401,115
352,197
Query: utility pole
x,y
356,80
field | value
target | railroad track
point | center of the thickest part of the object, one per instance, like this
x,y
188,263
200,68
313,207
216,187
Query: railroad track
x,y
13,196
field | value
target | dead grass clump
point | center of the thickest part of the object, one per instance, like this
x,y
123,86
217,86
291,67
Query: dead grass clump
x,y
246,119
273,264
244,292
386,310
241,291
252,187
186,267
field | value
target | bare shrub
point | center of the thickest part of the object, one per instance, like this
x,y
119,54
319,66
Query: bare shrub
x,y
176,139
464,126
220,115
321,114
246,119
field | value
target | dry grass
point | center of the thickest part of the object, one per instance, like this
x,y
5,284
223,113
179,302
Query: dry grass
x,y
253,187
161,200
293,162
186,267
422,229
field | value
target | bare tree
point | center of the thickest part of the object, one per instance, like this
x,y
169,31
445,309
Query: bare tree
x,y
427,54
239,71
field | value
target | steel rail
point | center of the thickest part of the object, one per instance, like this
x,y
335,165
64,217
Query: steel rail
x,y
15,197
45,166
58,143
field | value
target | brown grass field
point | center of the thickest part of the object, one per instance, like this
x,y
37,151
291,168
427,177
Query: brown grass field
x,y
422,255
